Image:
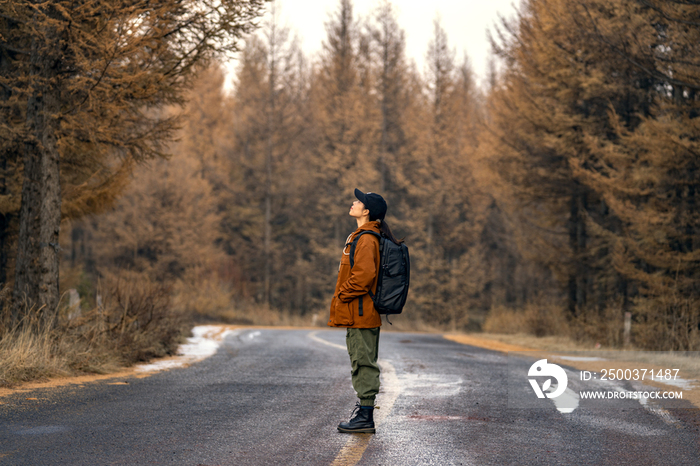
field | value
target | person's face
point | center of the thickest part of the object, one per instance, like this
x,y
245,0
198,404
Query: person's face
x,y
358,209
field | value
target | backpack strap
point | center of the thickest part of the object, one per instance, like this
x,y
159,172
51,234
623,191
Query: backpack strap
x,y
353,246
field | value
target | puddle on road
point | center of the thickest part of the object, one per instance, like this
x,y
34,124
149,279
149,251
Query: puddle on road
x,y
430,385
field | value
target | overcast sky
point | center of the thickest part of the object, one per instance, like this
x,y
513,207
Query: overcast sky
x,y
465,21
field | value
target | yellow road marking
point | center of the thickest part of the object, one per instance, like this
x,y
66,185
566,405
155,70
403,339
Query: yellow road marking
x,y
355,446
352,451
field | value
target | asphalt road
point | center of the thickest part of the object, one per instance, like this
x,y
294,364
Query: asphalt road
x,y
276,396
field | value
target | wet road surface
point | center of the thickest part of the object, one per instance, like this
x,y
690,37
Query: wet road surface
x,y
276,396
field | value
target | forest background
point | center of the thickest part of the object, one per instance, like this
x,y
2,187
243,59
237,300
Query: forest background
x,y
553,200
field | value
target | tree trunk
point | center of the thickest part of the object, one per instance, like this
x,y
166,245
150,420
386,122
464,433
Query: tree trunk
x,y
578,278
4,227
4,224
8,151
267,241
36,271
385,118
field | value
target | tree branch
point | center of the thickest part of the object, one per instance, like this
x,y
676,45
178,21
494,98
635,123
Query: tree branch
x,y
7,46
653,73
663,13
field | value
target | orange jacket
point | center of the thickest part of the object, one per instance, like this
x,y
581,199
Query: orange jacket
x,y
354,284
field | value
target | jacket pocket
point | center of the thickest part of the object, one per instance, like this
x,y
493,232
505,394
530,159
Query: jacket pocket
x,y
342,313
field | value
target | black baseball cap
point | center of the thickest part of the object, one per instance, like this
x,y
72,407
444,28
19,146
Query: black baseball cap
x,y
374,203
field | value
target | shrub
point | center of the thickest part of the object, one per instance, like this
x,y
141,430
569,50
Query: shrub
x,y
134,323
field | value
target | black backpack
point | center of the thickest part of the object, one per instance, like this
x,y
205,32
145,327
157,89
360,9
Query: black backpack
x,y
393,277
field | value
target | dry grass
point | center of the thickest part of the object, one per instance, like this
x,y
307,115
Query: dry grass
x,y
204,296
537,320
135,323
657,325
667,323
549,327
27,354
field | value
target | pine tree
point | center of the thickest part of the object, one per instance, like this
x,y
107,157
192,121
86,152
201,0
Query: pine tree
x,y
388,44
166,225
592,126
91,76
646,168
392,104
267,146
552,91
443,186
343,146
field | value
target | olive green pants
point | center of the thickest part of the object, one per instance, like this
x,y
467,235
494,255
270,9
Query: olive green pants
x,y
363,348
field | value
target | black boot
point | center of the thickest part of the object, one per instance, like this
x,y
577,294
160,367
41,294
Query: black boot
x,y
361,423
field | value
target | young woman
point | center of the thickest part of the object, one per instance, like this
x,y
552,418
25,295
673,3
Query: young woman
x,y
352,306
